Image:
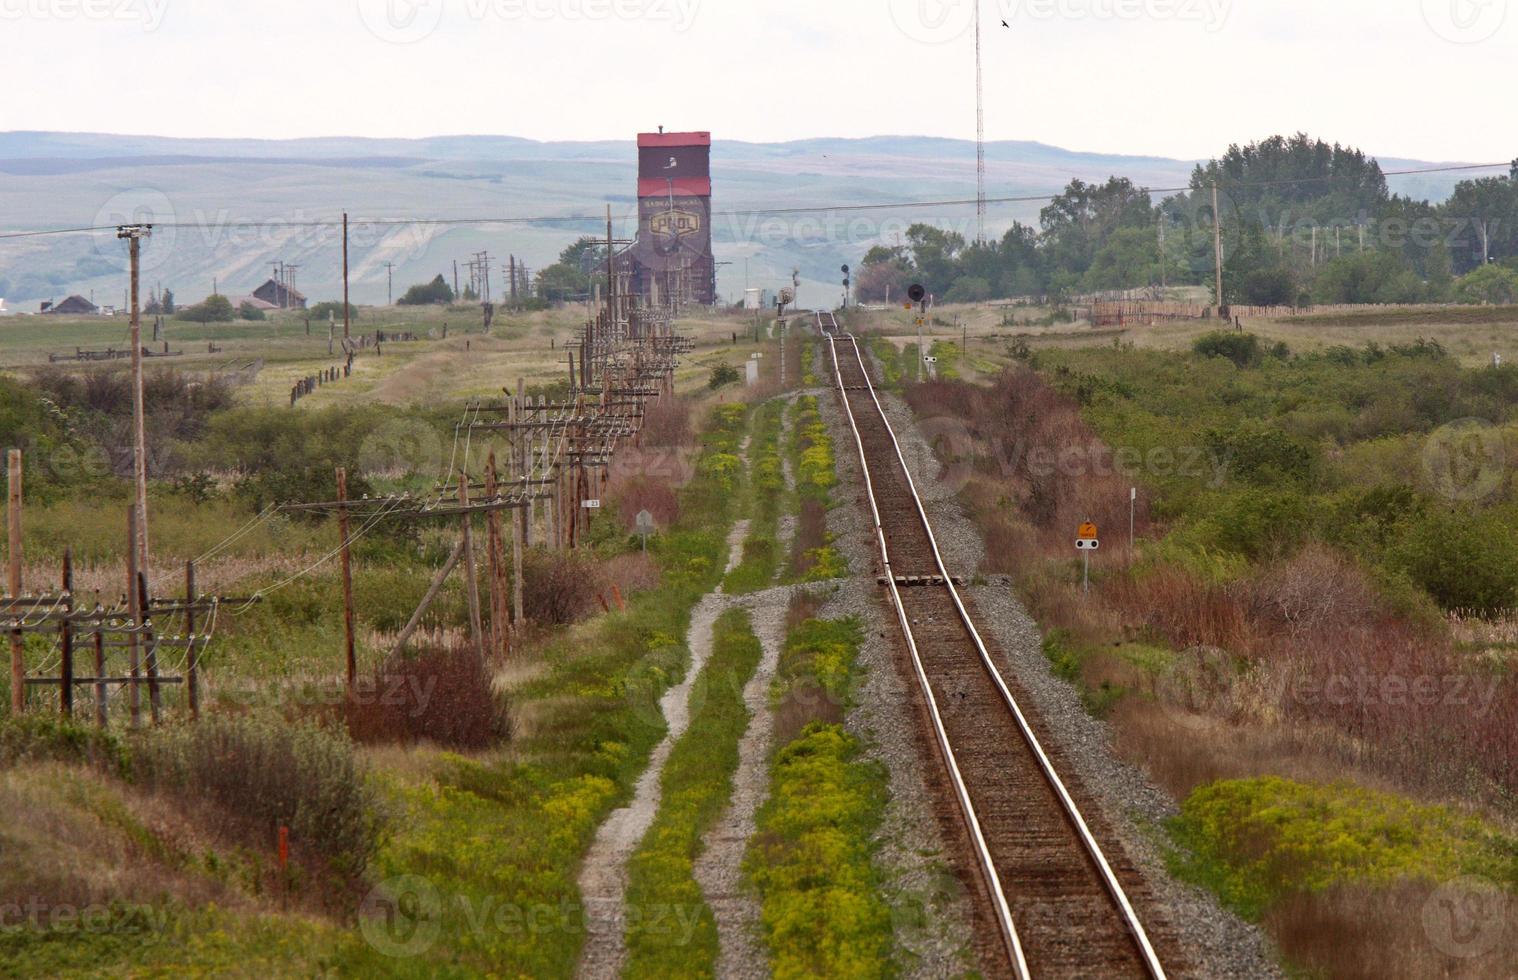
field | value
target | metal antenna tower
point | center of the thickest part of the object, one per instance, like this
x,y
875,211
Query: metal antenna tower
x,y
980,139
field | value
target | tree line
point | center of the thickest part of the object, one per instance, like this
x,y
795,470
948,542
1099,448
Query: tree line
x,y
1302,222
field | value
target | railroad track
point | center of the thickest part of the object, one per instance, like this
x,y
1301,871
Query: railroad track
x,y
1060,908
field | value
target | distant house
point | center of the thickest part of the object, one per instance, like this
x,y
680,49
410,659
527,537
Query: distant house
x,y
279,296
73,306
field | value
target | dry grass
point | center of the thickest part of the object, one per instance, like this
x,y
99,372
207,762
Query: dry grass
x,y
803,605
75,837
631,573
811,534
1412,929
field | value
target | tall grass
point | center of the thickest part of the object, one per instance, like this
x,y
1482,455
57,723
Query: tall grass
x,y
765,496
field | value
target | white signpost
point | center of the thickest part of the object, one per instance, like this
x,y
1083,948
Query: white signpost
x,y
645,526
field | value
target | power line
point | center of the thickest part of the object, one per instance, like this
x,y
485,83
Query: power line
x,y
750,212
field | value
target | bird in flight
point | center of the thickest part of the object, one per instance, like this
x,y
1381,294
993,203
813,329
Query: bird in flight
x,y
1005,24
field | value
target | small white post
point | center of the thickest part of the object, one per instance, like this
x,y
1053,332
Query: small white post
x,y
1133,496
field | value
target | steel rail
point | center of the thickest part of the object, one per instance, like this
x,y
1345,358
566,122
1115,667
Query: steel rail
x,y
1088,841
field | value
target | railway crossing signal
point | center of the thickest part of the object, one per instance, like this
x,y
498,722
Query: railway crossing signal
x,y
1086,541
917,292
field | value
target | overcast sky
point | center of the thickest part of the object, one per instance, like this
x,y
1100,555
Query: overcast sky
x,y
1431,79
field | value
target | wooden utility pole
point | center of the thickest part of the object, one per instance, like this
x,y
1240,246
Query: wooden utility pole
x,y
345,276
66,638
1217,243
192,656
389,283
347,566
134,234
13,584
611,276
150,658
134,608
495,544
471,583
523,441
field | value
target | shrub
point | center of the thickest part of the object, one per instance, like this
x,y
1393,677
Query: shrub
x,y
1256,840
666,423
426,294
1255,522
439,695
559,588
1465,560
723,374
331,309
1243,349
248,311
262,774
215,309
32,738
1259,452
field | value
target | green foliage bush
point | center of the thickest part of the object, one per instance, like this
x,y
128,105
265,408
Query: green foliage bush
x,y
723,375
262,774
1254,841
425,294
1260,452
331,310
1464,560
822,909
214,309
1243,349
35,737
1256,522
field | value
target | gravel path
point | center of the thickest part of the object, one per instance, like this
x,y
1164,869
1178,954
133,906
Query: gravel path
x,y
1217,942
603,877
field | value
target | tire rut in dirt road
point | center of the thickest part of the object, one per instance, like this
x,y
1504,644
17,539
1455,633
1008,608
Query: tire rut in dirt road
x,y
603,877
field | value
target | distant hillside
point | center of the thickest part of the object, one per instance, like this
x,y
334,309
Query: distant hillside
x,y
245,201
